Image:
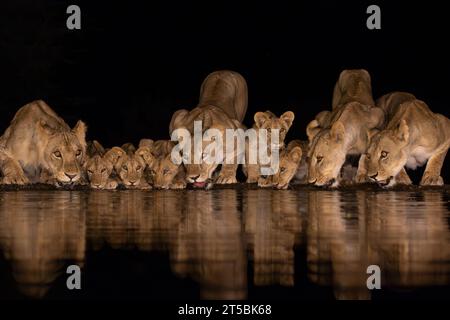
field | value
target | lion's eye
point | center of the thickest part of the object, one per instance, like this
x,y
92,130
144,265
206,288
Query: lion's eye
x,y
57,154
78,153
384,154
138,168
319,158
103,170
282,169
124,167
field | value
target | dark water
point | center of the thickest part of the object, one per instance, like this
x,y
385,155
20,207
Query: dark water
x,y
225,244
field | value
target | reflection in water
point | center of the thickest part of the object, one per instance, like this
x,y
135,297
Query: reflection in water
x,y
217,238
39,233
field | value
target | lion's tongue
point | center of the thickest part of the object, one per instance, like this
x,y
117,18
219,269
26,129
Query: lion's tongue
x,y
199,184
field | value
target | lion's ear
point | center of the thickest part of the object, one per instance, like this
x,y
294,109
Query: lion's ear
x,y
115,155
402,131
338,131
146,154
312,129
288,118
80,131
295,154
260,118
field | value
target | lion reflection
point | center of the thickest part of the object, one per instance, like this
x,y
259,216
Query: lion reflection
x,y
40,234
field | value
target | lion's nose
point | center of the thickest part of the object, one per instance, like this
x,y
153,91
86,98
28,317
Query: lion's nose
x,y
374,177
195,177
132,182
70,175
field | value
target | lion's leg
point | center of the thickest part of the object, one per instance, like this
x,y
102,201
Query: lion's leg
x,y
361,173
265,182
432,174
11,170
111,184
252,173
227,174
143,184
403,178
179,182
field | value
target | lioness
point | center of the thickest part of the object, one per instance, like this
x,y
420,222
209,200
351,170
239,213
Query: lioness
x,y
347,132
413,136
39,147
268,121
165,173
222,105
343,131
353,85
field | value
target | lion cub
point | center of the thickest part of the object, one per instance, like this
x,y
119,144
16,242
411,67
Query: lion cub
x,y
268,121
165,173
130,165
413,136
99,167
291,165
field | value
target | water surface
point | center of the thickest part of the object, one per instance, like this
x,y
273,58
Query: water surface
x,y
225,244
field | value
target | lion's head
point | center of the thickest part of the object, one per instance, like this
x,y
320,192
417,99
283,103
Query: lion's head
x,y
98,171
64,153
289,162
201,174
129,167
164,171
267,120
387,154
327,154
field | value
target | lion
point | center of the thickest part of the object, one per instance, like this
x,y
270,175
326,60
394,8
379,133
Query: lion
x,y
290,163
268,121
353,85
130,167
39,147
222,105
413,136
346,132
165,173
98,167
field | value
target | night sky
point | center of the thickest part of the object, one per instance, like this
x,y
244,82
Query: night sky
x,y
133,63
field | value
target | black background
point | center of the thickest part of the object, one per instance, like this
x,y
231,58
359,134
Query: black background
x,y
133,63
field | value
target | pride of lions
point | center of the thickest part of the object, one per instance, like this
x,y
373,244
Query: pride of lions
x,y
387,135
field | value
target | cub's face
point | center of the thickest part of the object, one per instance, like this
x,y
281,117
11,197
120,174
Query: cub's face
x,y
130,170
98,171
327,155
64,154
289,162
268,121
164,172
